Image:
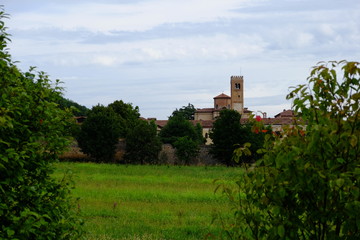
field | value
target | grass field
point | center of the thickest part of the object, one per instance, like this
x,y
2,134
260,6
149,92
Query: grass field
x,y
148,202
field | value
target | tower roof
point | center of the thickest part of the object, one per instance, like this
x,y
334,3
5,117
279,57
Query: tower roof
x,y
222,96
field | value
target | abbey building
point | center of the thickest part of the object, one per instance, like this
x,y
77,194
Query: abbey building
x,y
206,116
223,101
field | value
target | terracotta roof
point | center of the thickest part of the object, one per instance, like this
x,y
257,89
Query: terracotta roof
x,y
285,114
161,123
209,123
203,123
205,110
222,96
278,121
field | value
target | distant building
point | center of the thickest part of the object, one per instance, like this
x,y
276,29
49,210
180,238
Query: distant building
x,y
223,101
207,116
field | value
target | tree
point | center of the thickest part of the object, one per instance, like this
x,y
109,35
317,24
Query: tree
x,y
186,149
178,126
128,115
100,133
33,205
142,143
228,133
307,185
184,136
186,112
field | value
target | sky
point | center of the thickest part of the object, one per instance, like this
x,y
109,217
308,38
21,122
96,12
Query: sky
x,y
161,55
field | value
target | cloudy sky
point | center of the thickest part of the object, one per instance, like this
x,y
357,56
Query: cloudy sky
x,y
163,54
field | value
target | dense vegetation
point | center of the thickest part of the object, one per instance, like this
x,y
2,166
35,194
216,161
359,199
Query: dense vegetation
x,y
77,109
307,185
33,131
183,135
104,126
100,133
228,134
143,144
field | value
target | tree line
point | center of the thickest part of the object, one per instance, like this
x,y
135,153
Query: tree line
x,y
105,125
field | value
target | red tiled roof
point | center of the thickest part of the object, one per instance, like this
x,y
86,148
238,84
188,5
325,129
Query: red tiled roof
x,y
209,123
205,110
203,123
161,123
222,96
285,114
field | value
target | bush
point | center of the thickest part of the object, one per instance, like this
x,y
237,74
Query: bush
x,y
307,186
33,133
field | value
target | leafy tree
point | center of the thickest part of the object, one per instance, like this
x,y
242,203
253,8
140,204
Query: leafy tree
x,y
100,133
142,143
307,185
186,112
228,133
178,126
128,115
186,149
184,136
33,205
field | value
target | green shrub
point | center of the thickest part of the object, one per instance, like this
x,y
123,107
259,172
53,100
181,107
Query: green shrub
x,y
33,132
307,186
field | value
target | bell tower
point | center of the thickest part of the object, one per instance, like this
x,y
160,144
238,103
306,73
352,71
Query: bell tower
x,y
237,93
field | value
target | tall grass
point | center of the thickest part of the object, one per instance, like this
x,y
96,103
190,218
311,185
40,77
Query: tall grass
x,y
147,202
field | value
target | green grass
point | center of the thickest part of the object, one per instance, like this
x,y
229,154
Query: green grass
x,y
147,202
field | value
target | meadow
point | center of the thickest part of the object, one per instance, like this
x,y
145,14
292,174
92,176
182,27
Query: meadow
x,y
148,202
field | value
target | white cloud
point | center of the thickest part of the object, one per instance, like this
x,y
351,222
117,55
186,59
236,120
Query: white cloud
x,y
181,50
139,16
104,60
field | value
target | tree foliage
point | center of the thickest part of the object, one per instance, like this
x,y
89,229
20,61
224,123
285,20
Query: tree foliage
x,y
33,130
100,133
186,149
128,116
104,126
78,110
307,185
142,143
228,133
184,136
178,126
186,112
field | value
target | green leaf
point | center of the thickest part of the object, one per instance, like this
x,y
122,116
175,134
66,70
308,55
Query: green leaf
x,y
10,232
281,230
353,140
340,182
